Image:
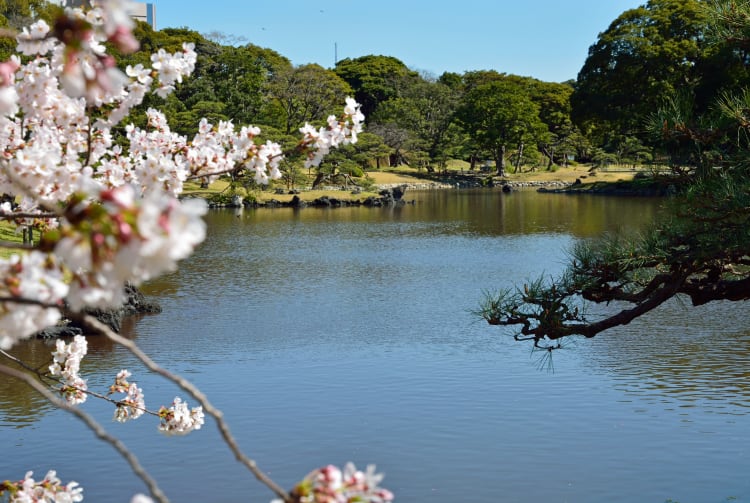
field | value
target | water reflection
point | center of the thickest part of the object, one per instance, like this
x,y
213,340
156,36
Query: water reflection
x,y
346,334
682,357
21,406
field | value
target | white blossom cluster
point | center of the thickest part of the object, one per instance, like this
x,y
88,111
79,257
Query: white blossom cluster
x,y
66,363
338,132
133,405
47,490
179,420
110,212
36,276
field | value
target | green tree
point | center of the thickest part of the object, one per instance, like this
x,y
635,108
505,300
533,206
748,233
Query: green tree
x,y
15,14
498,115
306,93
555,112
375,79
426,109
646,54
700,253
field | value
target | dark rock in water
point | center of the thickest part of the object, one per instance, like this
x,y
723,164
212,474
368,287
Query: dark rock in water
x,y
372,202
135,303
65,330
297,202
507,188
322,201
393,196
398,192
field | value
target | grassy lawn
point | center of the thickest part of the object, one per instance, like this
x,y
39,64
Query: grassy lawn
x,y
406,174
7,233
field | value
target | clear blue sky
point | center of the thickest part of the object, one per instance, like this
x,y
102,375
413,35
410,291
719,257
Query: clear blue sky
x,y
545,39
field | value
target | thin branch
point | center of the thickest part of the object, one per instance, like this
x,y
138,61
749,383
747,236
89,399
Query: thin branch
x,y
29,302
12,245
95,325
42,375
98,430
13,216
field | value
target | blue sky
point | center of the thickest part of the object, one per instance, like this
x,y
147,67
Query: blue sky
x,y
545,39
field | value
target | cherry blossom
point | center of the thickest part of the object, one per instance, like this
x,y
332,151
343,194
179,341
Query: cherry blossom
x,y
133,405
47,490
110,213
330,485
66,364
179,420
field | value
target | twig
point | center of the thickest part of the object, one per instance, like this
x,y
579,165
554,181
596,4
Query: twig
x,y
98,430
93,324
12,245
43,376
12,216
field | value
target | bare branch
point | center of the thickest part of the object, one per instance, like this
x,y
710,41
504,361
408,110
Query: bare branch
x,y
98,430
95,325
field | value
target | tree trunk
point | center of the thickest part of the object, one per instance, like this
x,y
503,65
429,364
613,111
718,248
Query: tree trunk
x,y
520,156
500,160
550,158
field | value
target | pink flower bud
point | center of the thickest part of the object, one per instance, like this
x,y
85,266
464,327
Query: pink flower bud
x,y
7,71
124,40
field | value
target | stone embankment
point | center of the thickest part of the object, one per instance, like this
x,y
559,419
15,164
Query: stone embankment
x,y
389,194
616,189
416,186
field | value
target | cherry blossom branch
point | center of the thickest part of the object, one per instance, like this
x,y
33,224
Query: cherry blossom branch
x,y
94,426
45,375
95,325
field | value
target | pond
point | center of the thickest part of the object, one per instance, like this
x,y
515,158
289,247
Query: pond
x,y
347,334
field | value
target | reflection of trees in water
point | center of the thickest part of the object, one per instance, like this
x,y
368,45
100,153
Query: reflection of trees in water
x,y
19,404
682,356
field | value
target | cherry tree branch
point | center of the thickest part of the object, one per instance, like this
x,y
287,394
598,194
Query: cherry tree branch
x,y
93,324
94,426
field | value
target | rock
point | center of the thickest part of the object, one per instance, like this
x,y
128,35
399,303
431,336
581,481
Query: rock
x,y
135,303
297,202
63,330
398,192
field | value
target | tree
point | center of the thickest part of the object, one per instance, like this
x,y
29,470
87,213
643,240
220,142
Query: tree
x,y
554,111
498,115
426,109
701,253
646,54
306,93
374,79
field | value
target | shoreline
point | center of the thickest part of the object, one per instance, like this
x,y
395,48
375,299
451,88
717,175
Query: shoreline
x,y
387,194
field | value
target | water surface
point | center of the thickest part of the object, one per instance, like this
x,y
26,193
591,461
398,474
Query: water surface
x,y
341,335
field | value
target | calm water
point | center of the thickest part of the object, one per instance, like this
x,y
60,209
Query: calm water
x,y
335,335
